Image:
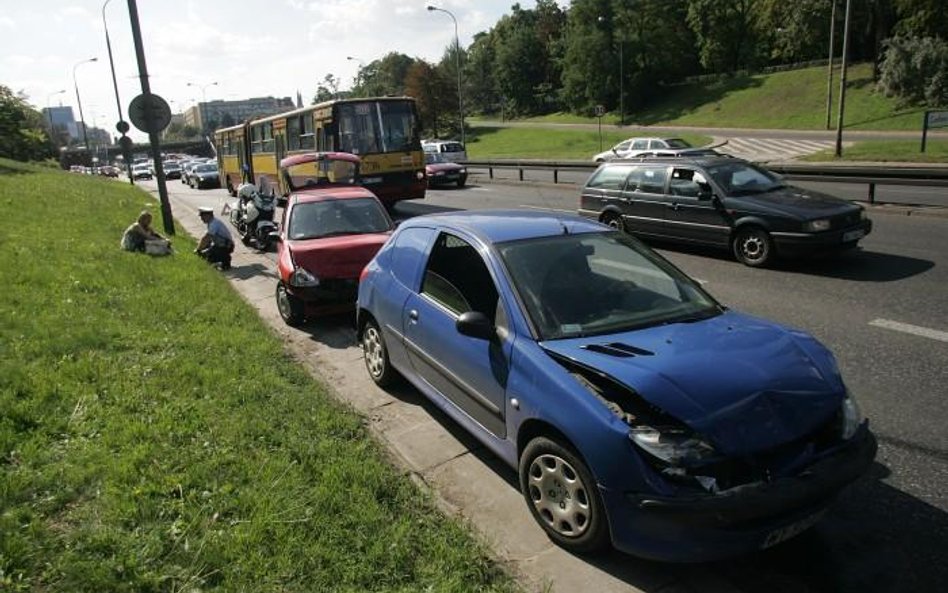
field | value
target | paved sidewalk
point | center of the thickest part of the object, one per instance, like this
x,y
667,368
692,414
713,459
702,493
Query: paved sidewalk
x,y
467,480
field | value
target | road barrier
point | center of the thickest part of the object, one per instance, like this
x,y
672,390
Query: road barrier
x,y
871,175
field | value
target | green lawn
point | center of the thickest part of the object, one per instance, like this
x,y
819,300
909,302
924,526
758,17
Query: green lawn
x,y
155,436
794,99
936,151
486,143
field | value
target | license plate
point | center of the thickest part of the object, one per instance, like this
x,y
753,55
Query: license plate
x,y
794,529
853,235
371,180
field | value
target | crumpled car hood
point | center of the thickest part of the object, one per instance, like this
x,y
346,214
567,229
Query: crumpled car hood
x,y
744,383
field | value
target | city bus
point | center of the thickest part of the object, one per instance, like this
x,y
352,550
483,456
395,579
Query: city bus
x,y
383,131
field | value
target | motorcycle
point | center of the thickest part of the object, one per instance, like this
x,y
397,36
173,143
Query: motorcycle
x,y
253,216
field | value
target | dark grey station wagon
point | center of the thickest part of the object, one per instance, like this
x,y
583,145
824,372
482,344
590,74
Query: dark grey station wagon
x,y
721,201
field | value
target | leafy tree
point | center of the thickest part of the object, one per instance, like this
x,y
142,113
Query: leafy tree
x,y
726,33
797,31
480,75
22,134
385,76
585,80
328,89
922,18
520,60
431,91
916,70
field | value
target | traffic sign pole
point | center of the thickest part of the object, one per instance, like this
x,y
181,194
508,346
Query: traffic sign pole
x,y
166,216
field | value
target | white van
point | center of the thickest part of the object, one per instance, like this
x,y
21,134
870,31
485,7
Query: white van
x,y
452,150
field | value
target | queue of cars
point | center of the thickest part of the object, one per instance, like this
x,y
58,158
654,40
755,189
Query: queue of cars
x,y
637,410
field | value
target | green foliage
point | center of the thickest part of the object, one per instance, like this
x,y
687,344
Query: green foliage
x,y
382,77
22,130
725,32
899,151
922,18
916,70
155,436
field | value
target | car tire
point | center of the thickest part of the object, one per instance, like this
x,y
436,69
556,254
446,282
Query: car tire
x,y
375,355
290,307
563,497
753,247
613,220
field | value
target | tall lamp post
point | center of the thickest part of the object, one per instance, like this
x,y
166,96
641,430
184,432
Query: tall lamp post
x,y
49,117
359,75
842,85
203,88
82,119
829,65
457,64
122,125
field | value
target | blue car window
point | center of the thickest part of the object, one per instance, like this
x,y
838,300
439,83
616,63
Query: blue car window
x,y
457,278
408,253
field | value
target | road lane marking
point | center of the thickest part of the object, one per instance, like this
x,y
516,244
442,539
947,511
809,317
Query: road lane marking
x,y
915,330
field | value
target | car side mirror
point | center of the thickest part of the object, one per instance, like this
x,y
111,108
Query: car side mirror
x,y
476,325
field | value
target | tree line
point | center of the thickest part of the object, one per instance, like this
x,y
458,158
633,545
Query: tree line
x,y
621,54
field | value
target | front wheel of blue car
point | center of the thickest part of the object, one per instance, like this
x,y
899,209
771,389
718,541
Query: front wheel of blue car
x,y
562,496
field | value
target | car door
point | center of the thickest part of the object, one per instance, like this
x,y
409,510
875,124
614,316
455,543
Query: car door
x,y
468,372
603,192
691,214
644,196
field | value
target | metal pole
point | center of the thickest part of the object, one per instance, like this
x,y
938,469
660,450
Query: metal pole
x,y
457,65
621,87
829,66
82,119
152,136
842,84
118,102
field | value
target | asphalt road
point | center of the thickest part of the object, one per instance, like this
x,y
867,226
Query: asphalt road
x,y
884,312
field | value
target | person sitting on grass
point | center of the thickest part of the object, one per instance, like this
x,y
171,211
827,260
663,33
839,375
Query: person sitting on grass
x,y
217,244
138,232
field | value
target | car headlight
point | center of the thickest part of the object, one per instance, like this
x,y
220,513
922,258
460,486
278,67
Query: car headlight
x,y
302,278
420,175
818,225
463,171
852,418
671,445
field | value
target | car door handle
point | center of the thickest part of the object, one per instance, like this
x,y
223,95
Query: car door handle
x,y
413,315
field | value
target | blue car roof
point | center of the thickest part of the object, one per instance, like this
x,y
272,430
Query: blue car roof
x,y
499,226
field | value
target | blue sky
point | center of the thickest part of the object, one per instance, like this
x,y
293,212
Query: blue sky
x,y
251,48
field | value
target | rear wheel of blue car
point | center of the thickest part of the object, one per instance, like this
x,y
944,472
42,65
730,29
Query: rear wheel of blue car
x,y
562,496
376,355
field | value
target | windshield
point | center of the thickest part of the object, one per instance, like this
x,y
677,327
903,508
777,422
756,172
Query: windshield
x,y
328,218
314,173
600,283
378,126
744,179
206,169
434,157
677,143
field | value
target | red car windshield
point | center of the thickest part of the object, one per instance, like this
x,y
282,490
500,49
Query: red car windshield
x,y
330,218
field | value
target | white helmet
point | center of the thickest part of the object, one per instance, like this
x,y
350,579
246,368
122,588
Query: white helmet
x,y
246,191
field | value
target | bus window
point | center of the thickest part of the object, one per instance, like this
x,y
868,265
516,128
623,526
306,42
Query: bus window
x,y
358,131
397,124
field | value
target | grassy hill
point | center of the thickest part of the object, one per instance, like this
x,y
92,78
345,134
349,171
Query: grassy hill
x,y
784,100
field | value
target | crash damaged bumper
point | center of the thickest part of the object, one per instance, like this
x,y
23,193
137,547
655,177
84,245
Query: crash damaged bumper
x,y
710,526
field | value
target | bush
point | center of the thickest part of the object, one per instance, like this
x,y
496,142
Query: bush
x,y
915,69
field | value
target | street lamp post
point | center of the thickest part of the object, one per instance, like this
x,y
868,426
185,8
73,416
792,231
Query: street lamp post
x,y
202,110
49,117
359,75
121,126
457,64
829,65
842,85
85,140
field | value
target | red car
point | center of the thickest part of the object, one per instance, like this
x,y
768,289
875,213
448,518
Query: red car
x,y
331,228
440,171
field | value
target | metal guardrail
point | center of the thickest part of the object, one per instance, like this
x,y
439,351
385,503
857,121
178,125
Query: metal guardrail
x,y
871,175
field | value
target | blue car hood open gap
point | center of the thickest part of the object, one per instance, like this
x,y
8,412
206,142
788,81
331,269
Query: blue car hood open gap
x,y
744,383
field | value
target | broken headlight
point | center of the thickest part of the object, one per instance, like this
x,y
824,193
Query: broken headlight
x,y
851,417
672,445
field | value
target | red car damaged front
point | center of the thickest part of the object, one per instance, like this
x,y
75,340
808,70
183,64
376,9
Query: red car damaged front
x,y
329,233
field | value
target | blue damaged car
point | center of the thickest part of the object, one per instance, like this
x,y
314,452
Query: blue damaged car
x,y
637,410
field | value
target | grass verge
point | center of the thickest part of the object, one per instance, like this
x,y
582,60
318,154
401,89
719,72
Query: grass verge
x,y
486,143
794,99
888,151
154,435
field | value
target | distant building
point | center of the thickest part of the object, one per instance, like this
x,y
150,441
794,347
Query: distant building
x,y
219,114
64,123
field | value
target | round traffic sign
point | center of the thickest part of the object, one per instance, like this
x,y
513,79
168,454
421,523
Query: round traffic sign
x,y
122,126
126,143
149,113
